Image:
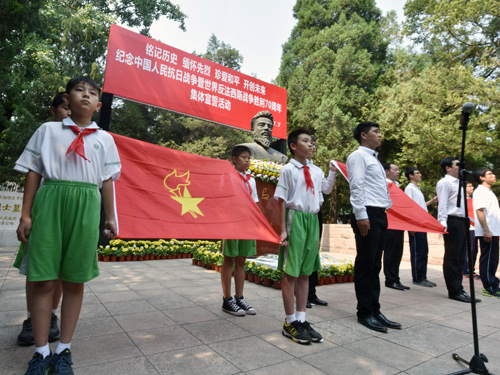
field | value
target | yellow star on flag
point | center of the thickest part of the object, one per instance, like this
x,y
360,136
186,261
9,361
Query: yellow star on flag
x,y
189,204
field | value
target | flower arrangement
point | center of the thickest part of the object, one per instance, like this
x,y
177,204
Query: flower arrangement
x,y
277,275
265,170
264,271
250,267
158,247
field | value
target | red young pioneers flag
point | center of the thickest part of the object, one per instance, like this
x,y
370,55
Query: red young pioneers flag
x,y
164,193
404,214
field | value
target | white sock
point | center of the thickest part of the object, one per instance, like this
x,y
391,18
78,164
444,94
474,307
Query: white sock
x,y
290,318
29,314
61,347
43,350
54,311
301,316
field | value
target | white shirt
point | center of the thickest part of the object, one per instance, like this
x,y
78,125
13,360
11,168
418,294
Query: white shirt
x,y
367,182
292,188
484,197
326,183
253,185
415,193
447,192
45,154
392,182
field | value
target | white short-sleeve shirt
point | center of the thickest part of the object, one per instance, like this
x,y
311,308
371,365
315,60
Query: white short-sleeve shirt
x,y
253,185
485,198
414,192
45,154
292,188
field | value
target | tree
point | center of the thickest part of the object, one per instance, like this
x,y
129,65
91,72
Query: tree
x,y
46,43
223,54
420,108
330,66
457,32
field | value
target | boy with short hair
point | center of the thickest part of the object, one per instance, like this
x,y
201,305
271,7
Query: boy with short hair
x,y
487,219
60,110
75,159
236,251
299,193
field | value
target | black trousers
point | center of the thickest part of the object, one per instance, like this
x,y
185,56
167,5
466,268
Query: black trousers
x,y
368,261
313,277
474,250
419,252
488,264
393,253
454,255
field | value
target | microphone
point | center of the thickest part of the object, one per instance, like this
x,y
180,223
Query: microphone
x,y
466,111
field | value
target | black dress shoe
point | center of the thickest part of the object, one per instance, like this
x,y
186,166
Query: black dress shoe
x,y
386,322
463,297
403,286
396,286
317,301
370,322
308,305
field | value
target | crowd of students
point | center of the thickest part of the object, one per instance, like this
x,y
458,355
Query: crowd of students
x,y
70,165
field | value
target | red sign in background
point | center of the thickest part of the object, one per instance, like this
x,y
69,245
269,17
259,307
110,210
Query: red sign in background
x,y
147,71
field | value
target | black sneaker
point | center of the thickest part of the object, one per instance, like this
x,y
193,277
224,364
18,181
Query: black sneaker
x,y
240,301
62,364
38,365
296,332
26,337
54,330
230,306
315,336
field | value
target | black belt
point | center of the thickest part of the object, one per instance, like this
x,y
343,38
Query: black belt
x,y
459,218
379,209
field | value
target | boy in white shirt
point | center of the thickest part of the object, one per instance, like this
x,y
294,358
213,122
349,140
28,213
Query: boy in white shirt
x,y
299,193
236,251
76,159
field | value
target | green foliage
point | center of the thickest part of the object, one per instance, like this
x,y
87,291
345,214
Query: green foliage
x,y
43,44
457,32
330,66
223,54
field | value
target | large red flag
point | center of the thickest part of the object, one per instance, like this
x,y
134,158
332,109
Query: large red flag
x,y
404,214
164,193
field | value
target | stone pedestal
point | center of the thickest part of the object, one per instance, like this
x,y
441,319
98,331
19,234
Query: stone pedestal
x,y
271,209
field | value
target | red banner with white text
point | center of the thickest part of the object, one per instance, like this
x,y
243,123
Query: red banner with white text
x,y
147,71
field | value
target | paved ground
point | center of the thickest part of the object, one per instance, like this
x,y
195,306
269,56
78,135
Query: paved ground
x,y
164,317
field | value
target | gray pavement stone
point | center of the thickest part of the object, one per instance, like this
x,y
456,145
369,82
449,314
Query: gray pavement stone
x,y
118,296
191,315
256,325
250,353
163,339
196,360
297,350
132,366
342,361
286,368
95,327
388,353
143,321
216,330
128,307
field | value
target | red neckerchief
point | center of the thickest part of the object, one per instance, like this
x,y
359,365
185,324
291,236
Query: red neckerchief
x,y
309,182
246,179
77,144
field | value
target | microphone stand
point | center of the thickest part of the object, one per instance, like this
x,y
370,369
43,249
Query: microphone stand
x,y
477,363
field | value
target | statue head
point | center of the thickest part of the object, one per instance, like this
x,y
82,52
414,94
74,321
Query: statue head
x,y
262,128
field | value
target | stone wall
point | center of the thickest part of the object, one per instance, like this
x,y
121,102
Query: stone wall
x,y
339,238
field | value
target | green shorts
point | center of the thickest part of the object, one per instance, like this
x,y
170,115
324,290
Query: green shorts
x,y
65,232
301,256
21,261
234,248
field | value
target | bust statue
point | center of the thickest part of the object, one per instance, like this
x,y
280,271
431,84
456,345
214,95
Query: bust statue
x,y
262,128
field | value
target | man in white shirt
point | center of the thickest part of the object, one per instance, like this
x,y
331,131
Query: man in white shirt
x,y
419,247
452,217
370,201
487,220
394,244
